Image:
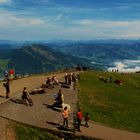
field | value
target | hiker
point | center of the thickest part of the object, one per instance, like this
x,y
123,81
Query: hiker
x,y
6,74
65,116
66,78
69,79
87,118
74,81
55,80
7,87
25,97
79,119
49,83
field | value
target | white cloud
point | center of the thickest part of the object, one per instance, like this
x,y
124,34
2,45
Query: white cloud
x,y
107,23
8,20
60,26
111,24
86,22
109,29
36,21
5,2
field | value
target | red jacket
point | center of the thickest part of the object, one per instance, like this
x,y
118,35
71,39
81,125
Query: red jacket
x,y
80,115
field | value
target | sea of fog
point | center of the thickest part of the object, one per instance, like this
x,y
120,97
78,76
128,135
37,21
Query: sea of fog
x,y
125,66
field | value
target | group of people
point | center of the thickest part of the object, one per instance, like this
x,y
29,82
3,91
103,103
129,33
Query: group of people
x,y
105,79
115,70
79,117
25,95
80,68
110,80
50,82
8,80
70,78
59,100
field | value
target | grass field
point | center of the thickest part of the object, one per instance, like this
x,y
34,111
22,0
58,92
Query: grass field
x,y
113,105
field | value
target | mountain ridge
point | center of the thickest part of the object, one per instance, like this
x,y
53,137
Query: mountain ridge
x,y
39,58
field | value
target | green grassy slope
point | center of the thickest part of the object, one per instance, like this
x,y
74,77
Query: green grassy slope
x,y
111,104
37,59
3,64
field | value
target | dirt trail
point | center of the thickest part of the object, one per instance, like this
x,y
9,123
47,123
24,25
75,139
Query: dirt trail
x,y
16,86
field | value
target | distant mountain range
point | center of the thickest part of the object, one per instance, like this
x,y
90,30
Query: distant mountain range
x,y
33,57
104,53
37,59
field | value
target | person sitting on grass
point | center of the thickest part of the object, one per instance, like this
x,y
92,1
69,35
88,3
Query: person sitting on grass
x,y
25,97
119,82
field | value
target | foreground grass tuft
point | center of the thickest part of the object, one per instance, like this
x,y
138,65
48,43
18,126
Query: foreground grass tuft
x,y
31,133
26,132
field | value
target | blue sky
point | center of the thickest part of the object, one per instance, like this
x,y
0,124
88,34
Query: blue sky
x,y
69,19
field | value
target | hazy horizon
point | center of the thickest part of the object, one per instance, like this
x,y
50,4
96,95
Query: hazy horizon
x,y
69,20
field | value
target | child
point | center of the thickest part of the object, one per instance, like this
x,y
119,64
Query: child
x,y
87,118
65,116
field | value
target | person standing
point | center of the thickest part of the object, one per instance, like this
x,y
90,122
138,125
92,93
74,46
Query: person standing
x,y
7,87
6,74
87,118
74,81
66,78
79,119
65,117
